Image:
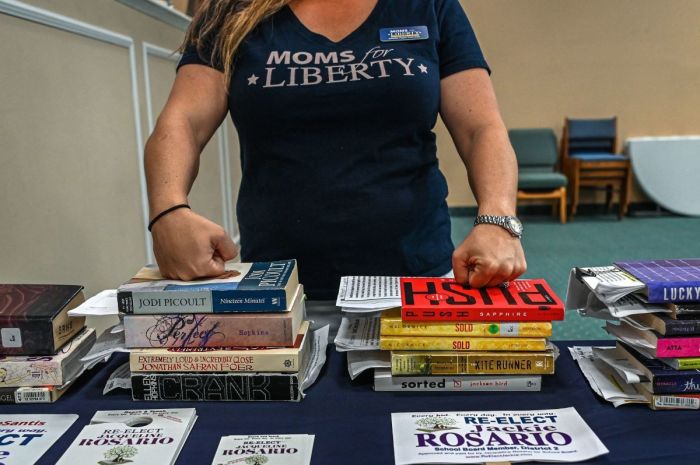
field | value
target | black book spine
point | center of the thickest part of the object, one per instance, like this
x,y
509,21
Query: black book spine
x,y
28,337
215,387
682,327
125,302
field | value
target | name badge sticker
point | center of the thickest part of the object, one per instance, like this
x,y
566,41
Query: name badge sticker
x,y
395,34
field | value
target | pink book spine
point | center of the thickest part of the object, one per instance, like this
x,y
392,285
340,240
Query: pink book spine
x,y
678,347
208,330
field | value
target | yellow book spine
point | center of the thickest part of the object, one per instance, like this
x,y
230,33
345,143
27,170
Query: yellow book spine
x,y
470,343
474,363
396,327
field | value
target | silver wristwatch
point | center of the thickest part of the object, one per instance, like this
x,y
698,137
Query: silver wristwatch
x,y
509,223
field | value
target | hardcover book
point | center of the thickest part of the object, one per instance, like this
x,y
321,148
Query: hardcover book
x,y
47,370
393,325
206,330
654,343
443,299
216,386
662,378
25,438
31,395
244,287
683,325
139,437
474,363
676,280
384,381
207,360
455,343
34,317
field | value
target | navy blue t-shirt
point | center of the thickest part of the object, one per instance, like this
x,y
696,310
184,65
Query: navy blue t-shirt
x,y
337,149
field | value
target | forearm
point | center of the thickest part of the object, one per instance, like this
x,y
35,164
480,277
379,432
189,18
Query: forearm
x,y
492,169
171,163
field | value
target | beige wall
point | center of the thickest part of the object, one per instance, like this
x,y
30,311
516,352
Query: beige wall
x,y
69,165
637,59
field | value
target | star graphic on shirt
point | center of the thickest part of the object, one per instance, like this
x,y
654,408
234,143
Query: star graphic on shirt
x,y
423,69
253,80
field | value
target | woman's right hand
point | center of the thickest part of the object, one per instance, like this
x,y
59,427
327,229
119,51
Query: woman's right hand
x,y
188,246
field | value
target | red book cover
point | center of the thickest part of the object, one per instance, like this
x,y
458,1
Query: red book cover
x,y
443,299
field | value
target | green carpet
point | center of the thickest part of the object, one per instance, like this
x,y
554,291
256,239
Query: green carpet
x,y
552,249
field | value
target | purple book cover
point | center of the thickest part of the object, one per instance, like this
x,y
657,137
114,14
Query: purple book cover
x,y
676,280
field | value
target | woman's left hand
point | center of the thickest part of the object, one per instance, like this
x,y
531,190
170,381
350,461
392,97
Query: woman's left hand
x,y
488,256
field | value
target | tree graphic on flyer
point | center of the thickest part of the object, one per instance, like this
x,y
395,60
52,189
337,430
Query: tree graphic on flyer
x,y
256,460
430,424
119,454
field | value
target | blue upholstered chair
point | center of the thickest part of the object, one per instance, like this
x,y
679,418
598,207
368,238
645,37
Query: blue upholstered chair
x,y
536,150
590,159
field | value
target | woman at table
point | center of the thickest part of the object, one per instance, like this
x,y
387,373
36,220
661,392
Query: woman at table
x,y
334,102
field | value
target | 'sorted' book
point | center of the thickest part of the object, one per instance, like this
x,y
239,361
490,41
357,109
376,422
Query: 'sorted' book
x,y
34,317
276,329
444,299
244,287
47,370
384,381
208,360
462,343
393,325
472,363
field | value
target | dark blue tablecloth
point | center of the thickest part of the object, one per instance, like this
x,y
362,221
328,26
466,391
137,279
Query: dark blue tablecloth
x,y
352,423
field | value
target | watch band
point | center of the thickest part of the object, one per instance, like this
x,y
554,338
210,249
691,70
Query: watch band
x,y
509,223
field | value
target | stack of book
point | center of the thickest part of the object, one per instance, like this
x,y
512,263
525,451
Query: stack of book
x,y
41,346
241,336
448,337
652,308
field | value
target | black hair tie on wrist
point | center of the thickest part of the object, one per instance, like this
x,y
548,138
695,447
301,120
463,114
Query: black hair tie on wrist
x,y
165,212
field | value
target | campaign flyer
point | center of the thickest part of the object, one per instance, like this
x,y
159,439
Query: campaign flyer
x,y
25,438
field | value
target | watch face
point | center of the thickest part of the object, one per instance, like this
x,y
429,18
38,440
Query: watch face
x,y
515,225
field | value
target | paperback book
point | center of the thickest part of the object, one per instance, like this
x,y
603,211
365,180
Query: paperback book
x,y
662,378
18,447
666,326
31,395
277,329
34,317
207,360
462,343
47,370
267,449
384,381
139,437
676,280
393,325
443,299
244,287
653,342
472,363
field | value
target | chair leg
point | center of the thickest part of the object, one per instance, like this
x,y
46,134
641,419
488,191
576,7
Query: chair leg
x,y
562,205
625,188
609,190
574,193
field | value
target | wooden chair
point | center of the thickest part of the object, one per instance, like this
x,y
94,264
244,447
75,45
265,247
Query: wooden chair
x,y
536,150
590,159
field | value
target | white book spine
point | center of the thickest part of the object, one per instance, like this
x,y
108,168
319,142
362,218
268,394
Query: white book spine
x,y
383,381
